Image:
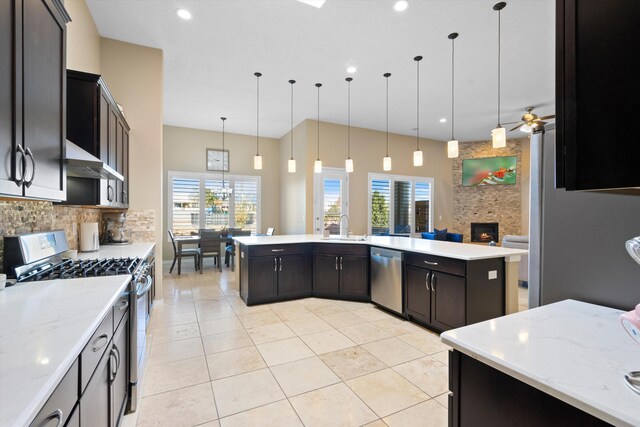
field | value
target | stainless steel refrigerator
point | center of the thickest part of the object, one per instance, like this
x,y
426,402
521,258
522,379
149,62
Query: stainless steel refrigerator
x,y
577,239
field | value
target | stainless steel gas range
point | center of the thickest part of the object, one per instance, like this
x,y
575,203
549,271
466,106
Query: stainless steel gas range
x,y
38,256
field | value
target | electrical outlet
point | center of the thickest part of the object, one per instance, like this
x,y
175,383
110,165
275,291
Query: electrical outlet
x,y
493,274
74,228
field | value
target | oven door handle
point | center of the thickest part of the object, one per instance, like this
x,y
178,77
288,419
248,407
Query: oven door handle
x,y
145,289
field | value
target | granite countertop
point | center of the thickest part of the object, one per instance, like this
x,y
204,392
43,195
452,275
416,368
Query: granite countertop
x,y
464,251
43,328
134,250
574,351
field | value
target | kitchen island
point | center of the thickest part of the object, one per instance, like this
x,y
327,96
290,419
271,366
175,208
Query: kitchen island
x,y
560,364
275,268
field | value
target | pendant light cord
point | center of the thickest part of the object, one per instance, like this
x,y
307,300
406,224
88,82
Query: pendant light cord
x,y
453,85
257,112
418,59
318,85
223,119
292,83
349,117
499,25
387,75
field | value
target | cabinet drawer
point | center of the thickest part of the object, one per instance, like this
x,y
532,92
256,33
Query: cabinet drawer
x,y
59,406
120,309
436,263
96,347
276,250
340,249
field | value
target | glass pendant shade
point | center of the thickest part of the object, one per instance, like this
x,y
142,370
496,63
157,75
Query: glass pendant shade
x,y
348,165
499,137
292,166
452,149
257,162
386,164
317,166
417,158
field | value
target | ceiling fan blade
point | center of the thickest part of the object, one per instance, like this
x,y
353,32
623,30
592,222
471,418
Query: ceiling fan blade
x,y
511,123
551,116
519,125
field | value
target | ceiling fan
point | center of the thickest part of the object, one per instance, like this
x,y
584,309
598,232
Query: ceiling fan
x,y
529,121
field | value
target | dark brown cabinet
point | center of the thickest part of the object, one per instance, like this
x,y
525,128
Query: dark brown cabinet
x,y
341,271
96,125
596,94
32,105
445,293
274,272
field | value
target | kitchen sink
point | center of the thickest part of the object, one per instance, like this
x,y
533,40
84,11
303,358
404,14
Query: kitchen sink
x,y
346,238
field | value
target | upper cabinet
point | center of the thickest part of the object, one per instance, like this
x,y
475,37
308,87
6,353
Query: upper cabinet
x,y
597,88
32,98
95,124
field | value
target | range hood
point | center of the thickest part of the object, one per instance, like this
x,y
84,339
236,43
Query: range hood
x,y
81,164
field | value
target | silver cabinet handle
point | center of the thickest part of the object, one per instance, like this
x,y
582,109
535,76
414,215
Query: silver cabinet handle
x,y
23,164
110,193
340,263
114,366
275,264
430,263
55,415
124,196
277,250
632,380
122,305
336,263
280,260
29,154
104,337
433,282
426,280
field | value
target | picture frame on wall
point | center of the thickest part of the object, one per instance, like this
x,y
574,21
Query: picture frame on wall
x,y
217,160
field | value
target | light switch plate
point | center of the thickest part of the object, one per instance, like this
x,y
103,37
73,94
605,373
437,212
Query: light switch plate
x,y
493,274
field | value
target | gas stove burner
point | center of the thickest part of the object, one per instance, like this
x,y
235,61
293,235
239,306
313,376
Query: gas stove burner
x,y
85,268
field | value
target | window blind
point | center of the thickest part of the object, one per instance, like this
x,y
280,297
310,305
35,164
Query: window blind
x,y
380,204
245,195
186,205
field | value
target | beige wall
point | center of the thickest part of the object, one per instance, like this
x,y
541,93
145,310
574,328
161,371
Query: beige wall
x,y
367,151
135,77
526,183
185,151
83,40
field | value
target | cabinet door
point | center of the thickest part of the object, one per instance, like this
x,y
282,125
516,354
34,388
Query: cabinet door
x,y
119,160
43,102
326,274
103,134
9,158
354,276
120,369
113,154
418,293
95,403
125,168
448,301
263,273
290,275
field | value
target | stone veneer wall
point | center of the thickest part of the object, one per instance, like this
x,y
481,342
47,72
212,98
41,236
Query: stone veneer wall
x,y
142,225
489,203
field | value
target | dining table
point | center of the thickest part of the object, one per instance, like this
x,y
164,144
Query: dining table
x,y
195,240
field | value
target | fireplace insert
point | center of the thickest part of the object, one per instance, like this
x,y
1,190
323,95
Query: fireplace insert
x,y
484,232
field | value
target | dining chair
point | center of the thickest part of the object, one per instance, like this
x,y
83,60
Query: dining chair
x,y
230,251
184,252
210,242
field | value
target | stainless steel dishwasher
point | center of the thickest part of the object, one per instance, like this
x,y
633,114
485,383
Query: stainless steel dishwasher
x,y
386,279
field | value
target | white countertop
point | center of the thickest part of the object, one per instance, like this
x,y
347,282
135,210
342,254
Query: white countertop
x,y
464,251
574,351
43,328
134,250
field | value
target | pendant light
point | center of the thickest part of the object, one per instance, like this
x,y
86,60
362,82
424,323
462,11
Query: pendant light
x,y
224,192
417,155
452,145
257,159
292,162
348,164
499,135
386,162
317,166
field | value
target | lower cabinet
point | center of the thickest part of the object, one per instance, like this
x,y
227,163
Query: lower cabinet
x,y
120,371
95,403
341,271
59,406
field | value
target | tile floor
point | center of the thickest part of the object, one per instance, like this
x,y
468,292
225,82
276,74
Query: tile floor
x,y
213,361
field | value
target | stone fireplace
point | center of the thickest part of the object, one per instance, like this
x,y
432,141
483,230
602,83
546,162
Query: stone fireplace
x,y
485,232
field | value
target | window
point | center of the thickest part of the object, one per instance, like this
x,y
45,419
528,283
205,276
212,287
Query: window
x,y
399,204
331,200
195,202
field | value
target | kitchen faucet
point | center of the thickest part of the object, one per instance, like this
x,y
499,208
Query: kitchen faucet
x,y
347,228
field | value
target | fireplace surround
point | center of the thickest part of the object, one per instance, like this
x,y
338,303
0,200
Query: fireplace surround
x,y
485,232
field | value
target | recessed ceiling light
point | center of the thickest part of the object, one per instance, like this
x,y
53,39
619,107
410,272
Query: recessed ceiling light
x,y
351,70
401,5
443,120
184,14
314,3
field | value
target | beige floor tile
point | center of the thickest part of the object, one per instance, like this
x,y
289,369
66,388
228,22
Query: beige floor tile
x,y
442,357
187,407
430,375
175,333
215,423
174,375
226,341
386,392
234,362
241,308
211,304
165,320
393,351
324,342
303,375
427,342
246,391
426,414
268,333
175,350
218,326
364,333
201,293
376,423
352,362
396,326
443,399
342,320
353,305
278,414
335,405
291,312
185,307
221,311
311,324
283,351
371,314
259,319
326,309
